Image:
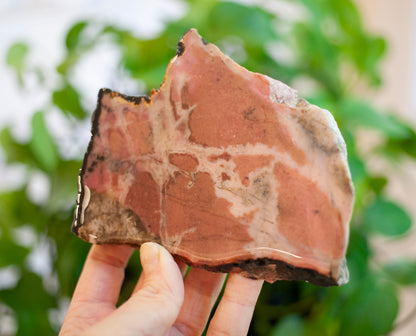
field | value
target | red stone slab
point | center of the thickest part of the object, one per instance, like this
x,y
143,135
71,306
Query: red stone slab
x,y
227,168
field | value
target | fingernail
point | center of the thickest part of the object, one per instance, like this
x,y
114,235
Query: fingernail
x,y
150,254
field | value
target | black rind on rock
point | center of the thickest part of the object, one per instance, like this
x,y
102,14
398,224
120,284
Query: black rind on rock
x,y
134,99
181,46
257,268
180,49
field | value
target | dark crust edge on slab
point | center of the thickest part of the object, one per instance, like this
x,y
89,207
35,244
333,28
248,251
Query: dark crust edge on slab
x,y
255,268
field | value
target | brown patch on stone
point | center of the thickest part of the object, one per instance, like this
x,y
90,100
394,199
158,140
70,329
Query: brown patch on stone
x,y
99,178
224,156
195,214
318,133
126,226
181,127
245,164
306,216
142,144
117,143
234,113
144,199
225,177
342,178
172,99
185,97
186,162
248,218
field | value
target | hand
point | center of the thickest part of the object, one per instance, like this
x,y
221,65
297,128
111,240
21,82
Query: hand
x,y
162,303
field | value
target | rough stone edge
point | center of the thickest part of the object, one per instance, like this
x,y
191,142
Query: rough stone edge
x,y
285,270
258,269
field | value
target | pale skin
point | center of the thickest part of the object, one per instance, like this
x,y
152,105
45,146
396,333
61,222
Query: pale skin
x,y
163,301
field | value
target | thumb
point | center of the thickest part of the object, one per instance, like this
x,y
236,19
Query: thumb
x,y
155,304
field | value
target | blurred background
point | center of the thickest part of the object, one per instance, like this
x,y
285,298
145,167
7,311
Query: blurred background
x,y
354,58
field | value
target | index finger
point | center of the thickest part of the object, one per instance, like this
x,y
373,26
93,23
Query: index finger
x,y
103,274
234,313
99,285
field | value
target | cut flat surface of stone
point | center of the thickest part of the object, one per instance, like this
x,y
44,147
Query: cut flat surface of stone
x,y
226,168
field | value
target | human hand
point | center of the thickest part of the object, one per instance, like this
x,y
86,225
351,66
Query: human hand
x,y
162,303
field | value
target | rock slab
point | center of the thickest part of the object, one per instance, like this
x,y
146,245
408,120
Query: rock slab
x,y
226,168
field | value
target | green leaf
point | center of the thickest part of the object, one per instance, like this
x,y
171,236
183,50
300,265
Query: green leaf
x,y
387,218
251,23
77,44
68,63
132,272
360,114
16,210
377,183
402,271
358,256
346,15
15,151
359,175
16,58
29,286
68,100
16,55
375,49
71,255
395,147
371,310
11,253
64,186
144,59
357,167
42,144
74,35
31,303
291,325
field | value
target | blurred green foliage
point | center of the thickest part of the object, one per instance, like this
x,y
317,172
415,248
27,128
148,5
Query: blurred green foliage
x,y
16,58
326,44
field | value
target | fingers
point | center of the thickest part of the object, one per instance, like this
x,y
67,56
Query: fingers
x,y
201,291
103,274
156,302
234,313
182,268
98,287
154,307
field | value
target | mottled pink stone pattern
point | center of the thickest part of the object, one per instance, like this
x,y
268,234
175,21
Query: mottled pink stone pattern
x,y
227,168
